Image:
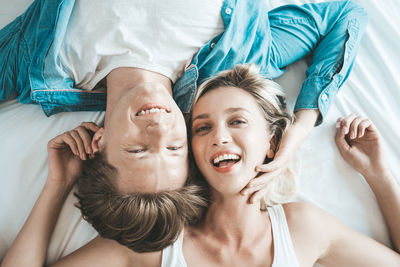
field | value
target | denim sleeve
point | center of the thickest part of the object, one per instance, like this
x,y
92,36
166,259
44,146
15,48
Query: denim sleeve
x,y
23,45
331,33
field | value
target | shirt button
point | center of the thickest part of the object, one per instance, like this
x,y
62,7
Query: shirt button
x,y
228,11
324,97
212,45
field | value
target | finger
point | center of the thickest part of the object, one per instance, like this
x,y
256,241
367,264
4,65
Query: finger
x,y
260,182
264,179
372,128
339,122
90,126
275,164
346,123
362,127
253,190
70,141
353,132
257,196
79,142
86,138
340,140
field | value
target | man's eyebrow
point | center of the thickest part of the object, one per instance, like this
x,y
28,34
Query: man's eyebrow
x,y
233,110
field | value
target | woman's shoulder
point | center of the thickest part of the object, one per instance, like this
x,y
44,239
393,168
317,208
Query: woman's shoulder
x,y
304,216
308,227
106,252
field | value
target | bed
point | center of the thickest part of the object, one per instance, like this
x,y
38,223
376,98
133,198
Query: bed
x,y
325,179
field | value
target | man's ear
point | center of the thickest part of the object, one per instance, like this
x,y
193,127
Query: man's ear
x,y
272,146
98,140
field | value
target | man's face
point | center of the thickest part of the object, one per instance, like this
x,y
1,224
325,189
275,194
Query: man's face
x,y
145,139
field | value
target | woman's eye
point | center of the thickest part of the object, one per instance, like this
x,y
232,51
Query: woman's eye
x,y
202,129
174,148
236,122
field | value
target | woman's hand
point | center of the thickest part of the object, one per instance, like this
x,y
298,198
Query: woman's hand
x,y
290,143
66,152
359,143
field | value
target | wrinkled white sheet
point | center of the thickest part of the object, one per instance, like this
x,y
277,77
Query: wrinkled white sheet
x,y
373,90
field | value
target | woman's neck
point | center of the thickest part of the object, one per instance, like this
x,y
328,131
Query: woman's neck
x,y
231,219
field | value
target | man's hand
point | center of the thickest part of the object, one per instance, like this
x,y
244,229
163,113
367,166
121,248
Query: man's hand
x,y
66,152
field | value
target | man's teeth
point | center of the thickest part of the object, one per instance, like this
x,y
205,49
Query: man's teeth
x,y
225,157
152,110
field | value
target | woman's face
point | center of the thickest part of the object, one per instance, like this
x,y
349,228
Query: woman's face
x,y
230,137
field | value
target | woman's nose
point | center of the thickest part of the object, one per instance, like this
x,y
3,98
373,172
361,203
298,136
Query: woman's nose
x,y
221,137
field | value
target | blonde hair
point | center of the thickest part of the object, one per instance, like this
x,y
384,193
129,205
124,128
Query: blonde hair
x,y
271,100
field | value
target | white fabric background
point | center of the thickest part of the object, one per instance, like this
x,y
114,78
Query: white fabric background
x,y
373,90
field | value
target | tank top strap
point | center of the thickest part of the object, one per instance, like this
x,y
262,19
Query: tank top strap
x,y
172,256
284,253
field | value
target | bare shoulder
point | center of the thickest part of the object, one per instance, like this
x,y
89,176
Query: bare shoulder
x,y
307,226
105,252
302,215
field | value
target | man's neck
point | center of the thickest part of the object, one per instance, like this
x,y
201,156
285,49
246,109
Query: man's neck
x,y
121,80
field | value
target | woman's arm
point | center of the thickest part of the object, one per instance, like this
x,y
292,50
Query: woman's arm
x,y
359,143
319,237
65,154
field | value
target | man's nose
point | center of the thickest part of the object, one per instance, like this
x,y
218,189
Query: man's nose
x,y
156,128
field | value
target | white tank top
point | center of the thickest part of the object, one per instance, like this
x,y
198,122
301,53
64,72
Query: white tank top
x,y
160,36
284,253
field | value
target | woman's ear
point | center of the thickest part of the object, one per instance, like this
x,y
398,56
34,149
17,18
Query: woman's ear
x,y
98,140
272,147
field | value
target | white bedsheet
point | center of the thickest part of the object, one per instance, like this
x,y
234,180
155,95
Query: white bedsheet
x,y
373,90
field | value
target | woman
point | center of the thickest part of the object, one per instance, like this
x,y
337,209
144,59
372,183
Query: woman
x,y
226,145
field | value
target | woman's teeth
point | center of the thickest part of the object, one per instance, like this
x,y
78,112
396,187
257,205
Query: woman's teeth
x,y
225,160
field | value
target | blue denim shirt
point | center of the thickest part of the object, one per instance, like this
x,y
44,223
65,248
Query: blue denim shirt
x,y
31,69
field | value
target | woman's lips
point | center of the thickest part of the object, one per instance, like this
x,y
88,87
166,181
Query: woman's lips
x,y
226,167
224,161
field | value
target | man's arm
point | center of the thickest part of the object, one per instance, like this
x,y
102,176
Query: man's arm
x,y
65,154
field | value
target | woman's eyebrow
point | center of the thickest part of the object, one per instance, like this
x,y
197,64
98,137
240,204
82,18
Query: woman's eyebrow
x,y
228,110
201,116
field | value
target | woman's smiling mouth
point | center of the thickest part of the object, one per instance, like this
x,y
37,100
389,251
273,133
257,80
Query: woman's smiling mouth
x,y
224,161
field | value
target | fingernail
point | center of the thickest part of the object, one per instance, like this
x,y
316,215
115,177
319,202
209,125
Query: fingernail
x,y
338,124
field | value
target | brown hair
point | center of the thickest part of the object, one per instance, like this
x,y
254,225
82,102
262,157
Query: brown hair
x,y
271,100
141,221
